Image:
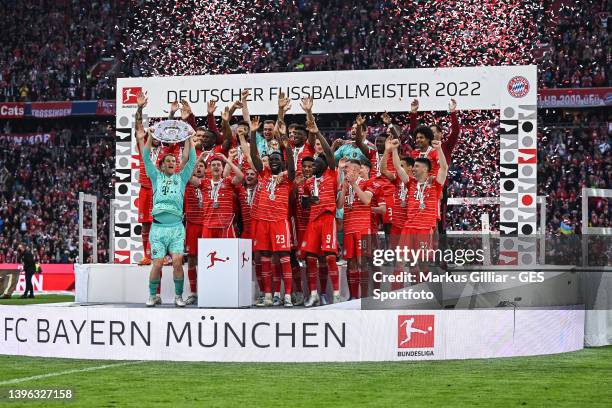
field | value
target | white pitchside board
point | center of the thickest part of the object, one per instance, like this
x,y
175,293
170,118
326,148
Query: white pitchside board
x,y
225,272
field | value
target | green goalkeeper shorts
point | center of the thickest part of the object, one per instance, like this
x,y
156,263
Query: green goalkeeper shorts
x,y
166,239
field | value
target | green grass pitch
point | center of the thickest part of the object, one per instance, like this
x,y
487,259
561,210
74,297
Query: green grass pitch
x,y
580,379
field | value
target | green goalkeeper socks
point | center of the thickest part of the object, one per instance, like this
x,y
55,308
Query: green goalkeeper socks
x,y
178,286
153,285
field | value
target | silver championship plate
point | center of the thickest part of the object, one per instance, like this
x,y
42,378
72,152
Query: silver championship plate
x,y
171,131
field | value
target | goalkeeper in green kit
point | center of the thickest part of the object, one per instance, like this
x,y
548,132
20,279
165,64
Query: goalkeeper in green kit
x,y
167,231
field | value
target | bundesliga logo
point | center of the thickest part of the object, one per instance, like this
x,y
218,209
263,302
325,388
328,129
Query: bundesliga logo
x,y
518,86
415,331
129,96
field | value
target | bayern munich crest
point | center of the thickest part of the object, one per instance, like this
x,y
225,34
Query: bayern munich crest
x,y
518,86
171,131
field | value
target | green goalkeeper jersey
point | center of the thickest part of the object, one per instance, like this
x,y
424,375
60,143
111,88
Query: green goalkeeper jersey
x,y
168,191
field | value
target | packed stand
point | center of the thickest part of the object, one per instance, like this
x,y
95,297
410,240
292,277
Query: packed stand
x,y
59,50
575,44
574,153
39,186
74,50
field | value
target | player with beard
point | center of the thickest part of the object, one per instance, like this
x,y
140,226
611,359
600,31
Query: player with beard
x,y
167,231
355,198
194,220
320,240
423,199
271,230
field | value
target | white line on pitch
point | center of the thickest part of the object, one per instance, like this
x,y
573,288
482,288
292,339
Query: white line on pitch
x,y
80,370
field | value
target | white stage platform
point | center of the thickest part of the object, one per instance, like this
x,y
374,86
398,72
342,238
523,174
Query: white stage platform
x,y
109,321
130,332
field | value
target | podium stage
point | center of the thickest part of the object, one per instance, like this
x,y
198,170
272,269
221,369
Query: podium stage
x,y
109,321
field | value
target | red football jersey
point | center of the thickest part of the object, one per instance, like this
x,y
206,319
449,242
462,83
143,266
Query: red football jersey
x,y
272,200
302,215
325,187
357,215
194,204
390,165
400,204
432,155
377,187
246,198
423,204
218,202
306,150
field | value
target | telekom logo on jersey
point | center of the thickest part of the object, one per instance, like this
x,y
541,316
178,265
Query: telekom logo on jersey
x,y
415,331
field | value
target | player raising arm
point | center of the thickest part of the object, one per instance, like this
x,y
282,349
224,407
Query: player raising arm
x,y
320,240
167,231
423,201
271,228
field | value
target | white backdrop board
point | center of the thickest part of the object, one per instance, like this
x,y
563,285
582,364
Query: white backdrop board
x,y
510,89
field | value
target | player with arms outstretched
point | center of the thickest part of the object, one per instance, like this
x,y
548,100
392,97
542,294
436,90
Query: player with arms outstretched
x,y
167,231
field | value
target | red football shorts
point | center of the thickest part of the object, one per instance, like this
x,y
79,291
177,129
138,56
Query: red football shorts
x,y
192,233
357,244
227,232
246,232
386,219
272,236
145,205
294,233
394,236
416,239
321,236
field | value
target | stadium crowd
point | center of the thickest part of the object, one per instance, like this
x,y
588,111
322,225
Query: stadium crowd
x,y
58,50
574,153
39,185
